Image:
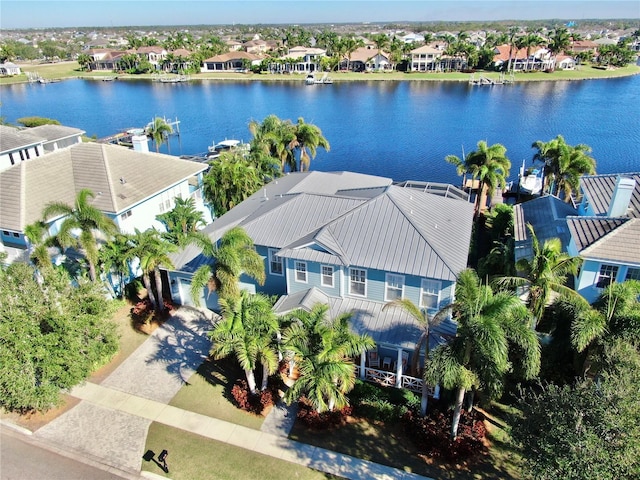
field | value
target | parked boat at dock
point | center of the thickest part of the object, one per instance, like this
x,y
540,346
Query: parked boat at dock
x,y
530,182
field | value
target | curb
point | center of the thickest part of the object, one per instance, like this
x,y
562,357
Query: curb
x,y
16,428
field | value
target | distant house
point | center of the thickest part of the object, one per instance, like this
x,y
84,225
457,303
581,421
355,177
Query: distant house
x,y
230,62
233,45
130,187
105,59
565,62
300,60
425,59
606,234
154,55
366,59
354,242
22,144
539,58
255,46
9,68
580,46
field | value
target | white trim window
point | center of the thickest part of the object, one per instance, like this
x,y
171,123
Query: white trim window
x,y
607,275
430,294
632,274
275,263
301,271
394,289
358,282
326,277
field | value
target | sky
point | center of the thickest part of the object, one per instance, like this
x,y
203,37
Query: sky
x,y
16,14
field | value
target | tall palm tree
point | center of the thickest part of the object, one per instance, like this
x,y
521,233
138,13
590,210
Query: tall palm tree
x,y
381,41
153,252
272,136
559,41
84,217
247,330
307,139
235,255
512,37
422,345
37,234
563,164
489,323
349,45
159,130
489,165
544,273
116,256
323,349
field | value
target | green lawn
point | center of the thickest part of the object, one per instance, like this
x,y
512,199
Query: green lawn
x,y
208,392
194,457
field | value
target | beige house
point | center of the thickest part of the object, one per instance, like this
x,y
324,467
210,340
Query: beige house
x,y
425,59
230,62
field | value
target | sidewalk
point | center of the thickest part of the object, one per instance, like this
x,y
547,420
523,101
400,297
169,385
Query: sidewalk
x,y
261,442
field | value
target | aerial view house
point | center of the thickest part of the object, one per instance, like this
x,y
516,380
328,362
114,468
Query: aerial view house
x,y
425,59
9,68
606,234
366,59
300,60
130,187
22,144
536,58
230,62
354,242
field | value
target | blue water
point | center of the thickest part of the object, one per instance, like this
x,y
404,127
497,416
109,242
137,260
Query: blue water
x,y
402,130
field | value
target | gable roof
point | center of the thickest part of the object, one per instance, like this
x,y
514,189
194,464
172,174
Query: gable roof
x,y
536,212
364,54
404,231
55,132
613,239
120,178
425,49
599,190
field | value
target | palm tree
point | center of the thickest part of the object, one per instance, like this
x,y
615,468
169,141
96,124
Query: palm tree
x,y
307,139
512,38
422,345
489,165
182,221
116,256
559,41
247,330
350,44
544,273
84,217
234,256
381,41
37,233
273,137
153,252
84,61
563,164
489,324
322,349
159,130
616,312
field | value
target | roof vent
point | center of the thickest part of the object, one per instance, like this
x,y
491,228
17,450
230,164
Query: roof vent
x,y
122,180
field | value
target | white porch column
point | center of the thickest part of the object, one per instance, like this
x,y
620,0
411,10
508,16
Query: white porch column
x,y
363,357
399,369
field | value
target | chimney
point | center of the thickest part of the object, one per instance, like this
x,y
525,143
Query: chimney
x,y
140,143
621,197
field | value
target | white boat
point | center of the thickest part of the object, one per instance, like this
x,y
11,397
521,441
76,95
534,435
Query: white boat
x,y
312,80
216,149
530,181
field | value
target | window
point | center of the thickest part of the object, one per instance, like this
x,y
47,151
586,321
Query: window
x,y
633,274
13,162
358,282
301,272
275,263
125,215
395,285
606,275
430,294
327,276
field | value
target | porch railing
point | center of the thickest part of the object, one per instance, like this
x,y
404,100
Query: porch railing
x,y
389,379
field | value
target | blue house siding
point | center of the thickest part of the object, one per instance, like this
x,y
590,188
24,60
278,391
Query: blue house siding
x,y
274,284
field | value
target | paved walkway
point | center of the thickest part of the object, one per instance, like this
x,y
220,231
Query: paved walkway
x,y
111,422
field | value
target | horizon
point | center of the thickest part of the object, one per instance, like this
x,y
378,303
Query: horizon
x,y
42,14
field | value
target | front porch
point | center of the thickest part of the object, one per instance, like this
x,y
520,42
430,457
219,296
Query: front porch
x,y
390,373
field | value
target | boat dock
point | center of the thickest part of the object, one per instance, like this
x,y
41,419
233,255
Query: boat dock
x,y
482,80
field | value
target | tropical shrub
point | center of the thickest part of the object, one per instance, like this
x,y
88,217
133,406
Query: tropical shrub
x,y
313,419
249,402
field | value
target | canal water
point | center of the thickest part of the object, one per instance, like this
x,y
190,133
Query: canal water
x,y
401,130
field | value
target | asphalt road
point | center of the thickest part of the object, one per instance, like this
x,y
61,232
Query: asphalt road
x,y
22,459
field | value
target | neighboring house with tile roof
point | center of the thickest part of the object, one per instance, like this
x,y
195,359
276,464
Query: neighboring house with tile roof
x,y
230,62
22,144
130,187
352,241
607,233
538,58
425,59
367,59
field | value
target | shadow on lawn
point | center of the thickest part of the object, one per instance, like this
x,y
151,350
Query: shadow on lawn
x,y
224,372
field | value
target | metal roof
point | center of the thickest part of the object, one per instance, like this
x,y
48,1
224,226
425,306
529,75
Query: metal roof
x,y
599,190
392,326
547,215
